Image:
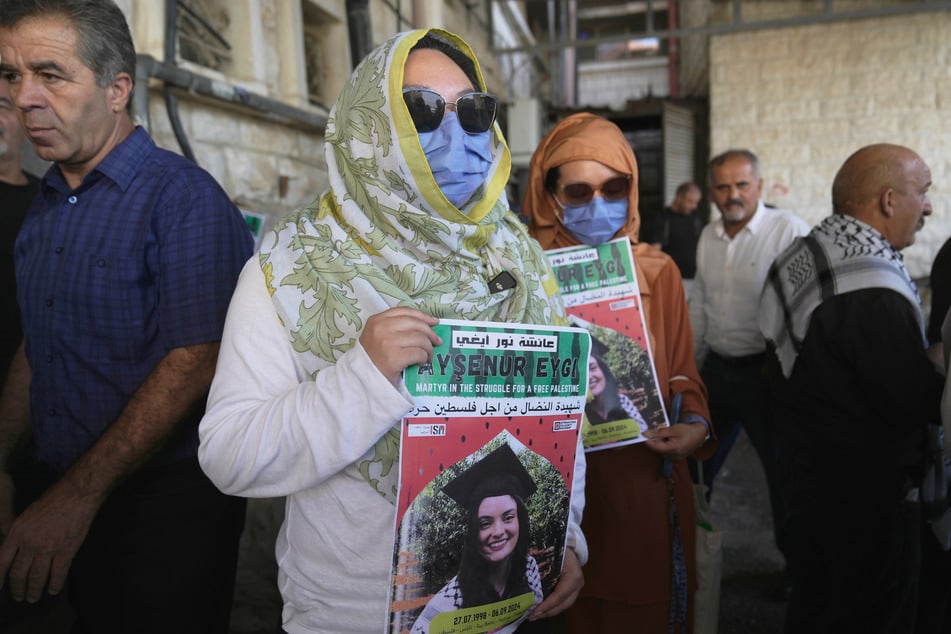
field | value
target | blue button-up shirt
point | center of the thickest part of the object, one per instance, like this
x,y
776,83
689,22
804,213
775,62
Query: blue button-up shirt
x,y
139,259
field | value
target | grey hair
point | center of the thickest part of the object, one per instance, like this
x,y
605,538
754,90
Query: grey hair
x,y
723,157
105,43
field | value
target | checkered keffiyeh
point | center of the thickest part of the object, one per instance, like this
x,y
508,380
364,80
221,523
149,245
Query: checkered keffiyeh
x,y
840,255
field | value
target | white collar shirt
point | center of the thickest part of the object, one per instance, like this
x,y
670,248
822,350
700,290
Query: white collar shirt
x,y
730,277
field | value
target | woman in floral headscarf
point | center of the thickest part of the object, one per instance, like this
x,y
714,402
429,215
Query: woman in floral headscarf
x,y
583,190
342,297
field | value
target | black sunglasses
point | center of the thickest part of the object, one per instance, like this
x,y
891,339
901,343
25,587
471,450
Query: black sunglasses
x,y
476,110
613,189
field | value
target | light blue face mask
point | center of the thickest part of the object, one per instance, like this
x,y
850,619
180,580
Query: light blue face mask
x,y
596,222
459,161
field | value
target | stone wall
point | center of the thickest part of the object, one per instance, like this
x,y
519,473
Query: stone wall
x,y
804,98
267,168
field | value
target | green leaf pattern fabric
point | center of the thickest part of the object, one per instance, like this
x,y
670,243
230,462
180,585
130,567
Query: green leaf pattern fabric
x,y
383,235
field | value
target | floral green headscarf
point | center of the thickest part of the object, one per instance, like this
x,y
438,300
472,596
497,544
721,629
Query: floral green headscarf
x,y
384,235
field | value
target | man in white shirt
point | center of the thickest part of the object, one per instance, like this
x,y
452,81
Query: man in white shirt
x,y
733,257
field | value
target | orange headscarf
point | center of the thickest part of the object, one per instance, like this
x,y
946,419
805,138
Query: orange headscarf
x,y
612,512
581,136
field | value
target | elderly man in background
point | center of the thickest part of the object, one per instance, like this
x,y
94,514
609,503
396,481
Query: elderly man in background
x,y
854,393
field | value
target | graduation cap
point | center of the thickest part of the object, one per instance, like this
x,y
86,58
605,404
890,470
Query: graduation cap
x,y
598,347
499,473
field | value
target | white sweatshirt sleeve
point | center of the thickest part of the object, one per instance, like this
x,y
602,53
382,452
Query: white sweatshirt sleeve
x,y
270,429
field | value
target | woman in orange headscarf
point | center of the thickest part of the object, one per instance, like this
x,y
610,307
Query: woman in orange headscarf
x,y
583,190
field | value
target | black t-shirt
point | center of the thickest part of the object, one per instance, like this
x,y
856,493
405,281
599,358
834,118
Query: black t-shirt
x,y
677,235
16,202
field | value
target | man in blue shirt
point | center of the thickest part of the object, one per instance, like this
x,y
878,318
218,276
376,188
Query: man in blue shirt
x,y
125,267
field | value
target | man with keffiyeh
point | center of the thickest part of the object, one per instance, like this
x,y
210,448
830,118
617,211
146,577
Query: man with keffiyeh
x,y
854,394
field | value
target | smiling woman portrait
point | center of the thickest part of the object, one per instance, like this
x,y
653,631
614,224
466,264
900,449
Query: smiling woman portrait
x,y
495,563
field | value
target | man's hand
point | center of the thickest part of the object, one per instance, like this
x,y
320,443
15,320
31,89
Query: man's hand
x,y
677,441
565,593
398,338
41,543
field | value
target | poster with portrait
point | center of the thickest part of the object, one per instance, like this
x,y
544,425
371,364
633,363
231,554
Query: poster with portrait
x,y
601,294
487,457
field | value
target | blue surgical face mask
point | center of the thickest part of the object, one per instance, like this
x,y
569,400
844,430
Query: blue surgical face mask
x,y
596,222
459,161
